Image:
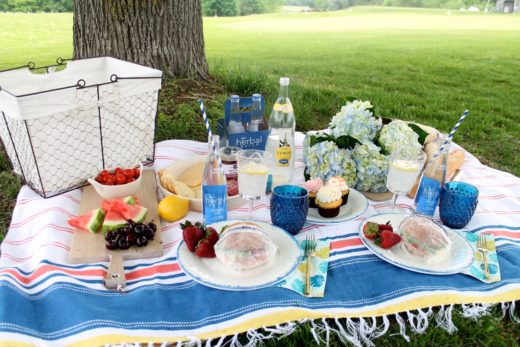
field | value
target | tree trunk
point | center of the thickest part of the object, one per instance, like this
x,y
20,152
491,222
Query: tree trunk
x,y
163,34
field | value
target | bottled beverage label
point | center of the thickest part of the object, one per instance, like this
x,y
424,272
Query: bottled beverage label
x,y
283,156
214,203
428,196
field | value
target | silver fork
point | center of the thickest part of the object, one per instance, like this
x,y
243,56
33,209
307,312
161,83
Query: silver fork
x,y
481,246
310,251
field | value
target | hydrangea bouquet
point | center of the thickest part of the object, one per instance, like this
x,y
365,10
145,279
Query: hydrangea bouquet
x,y
357,146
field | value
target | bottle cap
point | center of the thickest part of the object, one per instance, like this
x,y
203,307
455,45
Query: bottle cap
x,y
284,81
235,98
257,97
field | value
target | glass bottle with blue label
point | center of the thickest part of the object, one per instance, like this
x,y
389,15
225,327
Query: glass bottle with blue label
x,y
432,182
214,186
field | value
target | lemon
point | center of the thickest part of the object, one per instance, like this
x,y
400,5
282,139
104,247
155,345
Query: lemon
x,y
173,207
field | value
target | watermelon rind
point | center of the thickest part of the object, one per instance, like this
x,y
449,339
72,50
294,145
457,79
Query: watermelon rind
x,y
113,220
91,221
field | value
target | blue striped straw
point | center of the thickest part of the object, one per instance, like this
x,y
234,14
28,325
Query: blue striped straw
x,y
210,133
450,136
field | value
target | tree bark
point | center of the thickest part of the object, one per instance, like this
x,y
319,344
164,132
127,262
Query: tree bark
x,y
162,34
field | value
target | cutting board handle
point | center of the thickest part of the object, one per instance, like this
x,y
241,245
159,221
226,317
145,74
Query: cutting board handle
x,y
115,277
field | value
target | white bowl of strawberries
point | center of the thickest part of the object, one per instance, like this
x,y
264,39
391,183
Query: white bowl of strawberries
x,y
118,182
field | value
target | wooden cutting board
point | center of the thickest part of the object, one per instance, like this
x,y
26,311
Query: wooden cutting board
x,y
90,248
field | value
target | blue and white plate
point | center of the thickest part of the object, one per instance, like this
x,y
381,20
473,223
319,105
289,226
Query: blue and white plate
x,y
357,205
212,273
460,258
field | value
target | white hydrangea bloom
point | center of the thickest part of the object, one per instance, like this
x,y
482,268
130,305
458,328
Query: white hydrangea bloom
x,y
398,133
355,119
372,167
325,160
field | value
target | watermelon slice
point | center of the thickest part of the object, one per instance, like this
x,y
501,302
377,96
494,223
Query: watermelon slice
x,y
113,220
90,221
107,205
134,212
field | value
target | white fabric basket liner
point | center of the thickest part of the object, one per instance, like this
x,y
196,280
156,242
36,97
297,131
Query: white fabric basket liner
x,y
17,84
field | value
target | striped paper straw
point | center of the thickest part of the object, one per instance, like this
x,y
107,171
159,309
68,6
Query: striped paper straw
x,y
210,133
450,136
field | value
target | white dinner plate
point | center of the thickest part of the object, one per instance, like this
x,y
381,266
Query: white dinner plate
x,y
461,253
356,205
212,273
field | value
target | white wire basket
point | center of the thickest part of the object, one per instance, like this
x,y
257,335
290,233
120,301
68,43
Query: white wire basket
x,y
61,127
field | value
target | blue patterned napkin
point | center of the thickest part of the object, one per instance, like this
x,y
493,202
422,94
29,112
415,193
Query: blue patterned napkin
x,y
319,265
477,268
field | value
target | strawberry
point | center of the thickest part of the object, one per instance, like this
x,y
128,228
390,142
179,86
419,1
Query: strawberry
x,y
191,234
205,249
212,235
371,230
388,239
386,226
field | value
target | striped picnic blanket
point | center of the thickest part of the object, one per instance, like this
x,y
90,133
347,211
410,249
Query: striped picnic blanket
x,y
44,300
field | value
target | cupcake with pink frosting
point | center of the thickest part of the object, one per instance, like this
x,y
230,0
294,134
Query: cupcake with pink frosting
x,y
339,183
312,187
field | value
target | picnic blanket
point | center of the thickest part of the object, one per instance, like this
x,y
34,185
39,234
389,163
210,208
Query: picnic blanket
x,y
44,300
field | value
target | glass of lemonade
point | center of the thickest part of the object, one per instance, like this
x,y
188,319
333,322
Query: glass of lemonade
x,y
253,169
405,166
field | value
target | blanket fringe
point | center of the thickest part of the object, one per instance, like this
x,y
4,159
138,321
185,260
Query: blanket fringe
x,y
358,332
475,311
508,308
444,319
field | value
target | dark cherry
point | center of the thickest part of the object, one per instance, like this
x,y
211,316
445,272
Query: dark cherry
x,y
139,229
110,245
109,236
130,238
123,244
152,226
141,241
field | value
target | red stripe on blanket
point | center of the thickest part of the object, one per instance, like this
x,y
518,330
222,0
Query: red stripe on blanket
x,y
346,243
51,268
510,234
28,219
149,271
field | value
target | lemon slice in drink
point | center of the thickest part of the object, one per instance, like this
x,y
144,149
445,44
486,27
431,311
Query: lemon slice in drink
x,y
405,166
253,169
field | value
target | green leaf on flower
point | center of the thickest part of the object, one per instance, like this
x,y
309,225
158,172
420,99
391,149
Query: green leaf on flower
x,y
346,142
422,134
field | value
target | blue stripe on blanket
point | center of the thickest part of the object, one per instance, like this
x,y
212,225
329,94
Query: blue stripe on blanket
x,y
65,309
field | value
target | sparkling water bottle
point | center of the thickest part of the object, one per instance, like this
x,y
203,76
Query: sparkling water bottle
x,y
432,182
280,142
257,122
235,124
214,186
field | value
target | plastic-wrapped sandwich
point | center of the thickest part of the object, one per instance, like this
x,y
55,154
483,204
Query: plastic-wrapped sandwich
x,y
421,237
244,246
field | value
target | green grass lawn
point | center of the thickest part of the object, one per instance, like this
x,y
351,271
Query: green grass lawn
x,y
421,65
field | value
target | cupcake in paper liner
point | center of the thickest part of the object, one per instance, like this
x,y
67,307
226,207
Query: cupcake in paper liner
x,y
245,246
329,202
423,238
340,183
313,186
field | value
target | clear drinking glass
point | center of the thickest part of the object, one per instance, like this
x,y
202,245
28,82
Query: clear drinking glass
x,y
405,166
253,169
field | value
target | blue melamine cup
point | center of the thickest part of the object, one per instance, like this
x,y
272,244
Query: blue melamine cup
x,y
289,207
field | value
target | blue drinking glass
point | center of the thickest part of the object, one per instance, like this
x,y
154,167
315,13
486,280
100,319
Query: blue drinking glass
x,y
289,207
457,204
